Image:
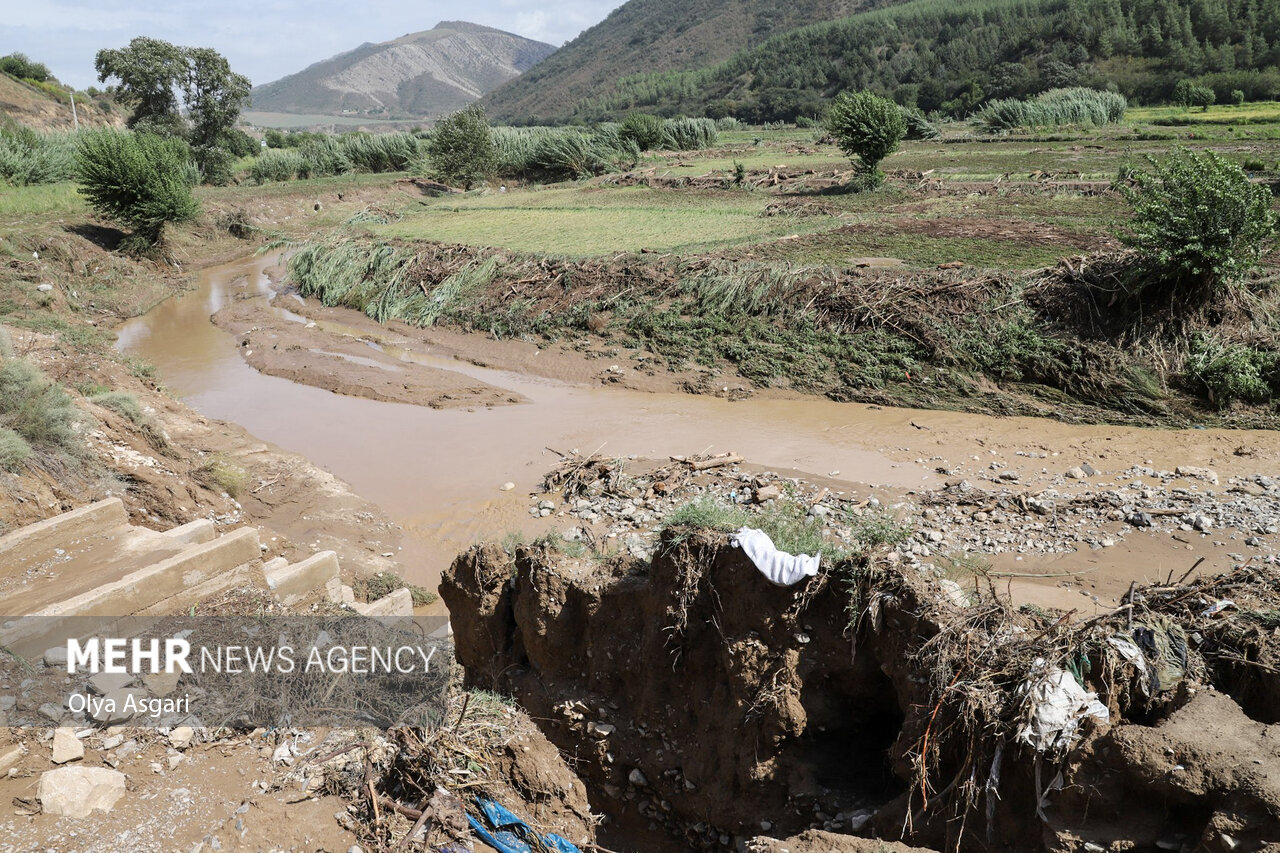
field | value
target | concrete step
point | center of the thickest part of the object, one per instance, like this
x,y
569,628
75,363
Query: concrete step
x,y
37,543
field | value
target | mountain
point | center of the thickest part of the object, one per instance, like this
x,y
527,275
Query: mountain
x,y
424,74
650,36
952,55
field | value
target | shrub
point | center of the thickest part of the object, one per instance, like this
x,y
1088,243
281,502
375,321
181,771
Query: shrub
x,y
1232,372
386,152
321,157
727,123
276,164
1189,94
461,149
866,127
688,134
383,584
119,402
918,127
1055,108
1237,97
221,474
643,129
1198,221
139,179
28,157
14,450
37,410
571,154
19,65
215,164
804,122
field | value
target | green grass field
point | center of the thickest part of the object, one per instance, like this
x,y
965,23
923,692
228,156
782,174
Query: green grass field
x,y
581,221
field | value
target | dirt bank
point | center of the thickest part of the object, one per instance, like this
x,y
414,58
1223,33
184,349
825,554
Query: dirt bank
x,y
705,705
282,343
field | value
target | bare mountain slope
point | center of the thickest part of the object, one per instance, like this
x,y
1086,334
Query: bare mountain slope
x,y
421,74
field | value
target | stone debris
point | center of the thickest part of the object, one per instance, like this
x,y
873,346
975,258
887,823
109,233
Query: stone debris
x,y
78,791
66,746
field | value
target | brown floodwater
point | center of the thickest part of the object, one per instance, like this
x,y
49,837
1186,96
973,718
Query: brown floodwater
x,y
438,473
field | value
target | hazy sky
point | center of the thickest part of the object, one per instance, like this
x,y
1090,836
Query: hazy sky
x,y
263,39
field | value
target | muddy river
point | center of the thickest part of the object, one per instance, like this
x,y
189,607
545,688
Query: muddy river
x,y
439,472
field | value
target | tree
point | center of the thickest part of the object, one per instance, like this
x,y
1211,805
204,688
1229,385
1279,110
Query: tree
x,y
867,127
461,149
139,179
1199,224
152,73
22,67
1189,94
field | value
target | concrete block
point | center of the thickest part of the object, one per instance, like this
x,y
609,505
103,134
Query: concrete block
x,y
192,533
295,582
36,542
396,607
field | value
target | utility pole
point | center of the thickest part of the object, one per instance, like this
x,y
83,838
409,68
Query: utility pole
x,y
74,117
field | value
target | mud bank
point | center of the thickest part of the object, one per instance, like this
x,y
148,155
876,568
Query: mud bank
x,y
705,707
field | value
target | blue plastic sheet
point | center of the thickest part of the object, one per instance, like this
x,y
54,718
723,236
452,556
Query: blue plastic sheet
x,y
507,833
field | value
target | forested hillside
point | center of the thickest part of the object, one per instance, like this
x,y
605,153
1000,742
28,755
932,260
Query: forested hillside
x,y
950,56
653,36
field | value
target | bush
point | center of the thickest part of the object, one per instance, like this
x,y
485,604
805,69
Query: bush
x,y
866,127
121,403
918,127
1055,108
38,410
688,134
14,450
139,179
461,149
1237,97
804,122
1189,94
1198,222
215,164
276,164
643,129
20,66
28,157
1232,372
386,152
322,157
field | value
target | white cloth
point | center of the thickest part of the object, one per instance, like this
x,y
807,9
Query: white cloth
x,y
779,567
1058,704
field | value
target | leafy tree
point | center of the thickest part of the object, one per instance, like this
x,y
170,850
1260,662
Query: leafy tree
x,y
152,73
867,127
461,148
22,67
139,179
1189,94
1198,223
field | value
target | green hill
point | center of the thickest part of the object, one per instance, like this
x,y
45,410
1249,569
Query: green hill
x,y
950,56
652,36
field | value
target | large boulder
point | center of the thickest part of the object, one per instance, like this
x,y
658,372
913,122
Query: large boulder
x,y
78,791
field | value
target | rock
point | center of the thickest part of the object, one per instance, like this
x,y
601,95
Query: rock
x,y
1202,523
508,486
1138,519
78,791
56,657
1076,473
180,737
767,493
1008,475
112,709
636,777
161,683
601,730
44,288
1198,473
51,711
10,756
66,746
105,682
1088,469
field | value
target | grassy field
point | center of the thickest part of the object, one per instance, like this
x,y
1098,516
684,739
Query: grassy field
x,y
581,221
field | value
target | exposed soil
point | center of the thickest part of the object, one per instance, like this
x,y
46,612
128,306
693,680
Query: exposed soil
x,y
873,701
278,345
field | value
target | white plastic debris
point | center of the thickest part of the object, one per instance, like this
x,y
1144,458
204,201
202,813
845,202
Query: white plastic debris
x,y
1058,704
779,567
1218,607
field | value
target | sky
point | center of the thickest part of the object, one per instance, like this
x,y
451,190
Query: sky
x,y
262,39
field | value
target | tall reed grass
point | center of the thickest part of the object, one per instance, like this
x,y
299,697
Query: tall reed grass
x,y
1054,108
